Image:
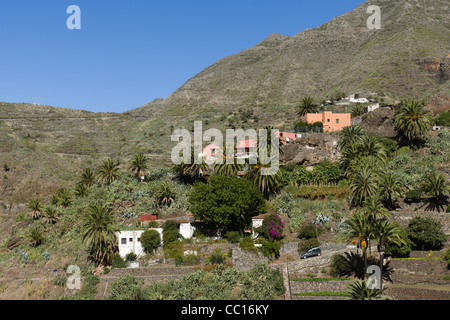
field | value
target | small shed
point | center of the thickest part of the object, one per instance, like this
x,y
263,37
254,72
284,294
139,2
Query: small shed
x,y
257,222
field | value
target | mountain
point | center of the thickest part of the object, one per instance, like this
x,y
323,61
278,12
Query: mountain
x,y
43,148
408,57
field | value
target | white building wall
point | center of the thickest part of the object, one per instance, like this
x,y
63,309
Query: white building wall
x,y
256,223
129,241
186,230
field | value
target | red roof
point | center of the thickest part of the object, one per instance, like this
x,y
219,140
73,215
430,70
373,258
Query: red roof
x,y
249,143
148,217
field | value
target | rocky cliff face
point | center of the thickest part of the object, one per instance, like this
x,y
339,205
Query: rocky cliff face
x,y
311,149
439,70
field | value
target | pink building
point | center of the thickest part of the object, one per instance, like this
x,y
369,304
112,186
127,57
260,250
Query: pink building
x,y
212,152
246,148
331,121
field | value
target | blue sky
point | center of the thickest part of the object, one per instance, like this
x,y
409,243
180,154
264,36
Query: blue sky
x,y
128,53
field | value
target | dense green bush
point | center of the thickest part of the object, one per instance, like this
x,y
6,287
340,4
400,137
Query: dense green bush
x,y
399,251
218,257
255,289
425,234
233,236
151,240
126,288
170,232
310,231
443,119
118,262
320,192
270,249
413,196
226,203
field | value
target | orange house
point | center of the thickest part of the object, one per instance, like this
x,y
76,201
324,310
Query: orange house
x,y
331,121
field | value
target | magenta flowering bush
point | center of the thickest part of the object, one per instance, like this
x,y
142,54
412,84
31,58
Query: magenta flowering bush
x,y
272,227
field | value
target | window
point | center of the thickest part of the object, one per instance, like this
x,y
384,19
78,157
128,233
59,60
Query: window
x,y
123,241
131,239
337,120
328,120
213,151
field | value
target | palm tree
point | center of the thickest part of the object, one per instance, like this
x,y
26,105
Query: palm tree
x,y
35,235
51,215
411,119
65,198
358,290
370,146
357,110
191,170
108,171
35,208
139,165
359,231
385,231
436,187
307,106
374,209
350,134
390,186
80,190
97,231
266,176
228,169
363,184
165,194
87,177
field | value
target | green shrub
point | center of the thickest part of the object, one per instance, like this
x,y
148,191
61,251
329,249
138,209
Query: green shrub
x,y
271,249
188,260
426,234
247,243
413,196
443,119
310,231
233,236
170,232
399,251
130,257
118,262
150,239
126,288
218,257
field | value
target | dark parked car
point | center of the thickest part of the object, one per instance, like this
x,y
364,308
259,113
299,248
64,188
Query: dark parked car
x,y
313,252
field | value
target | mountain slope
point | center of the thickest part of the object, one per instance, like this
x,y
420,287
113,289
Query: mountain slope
x,y
342,55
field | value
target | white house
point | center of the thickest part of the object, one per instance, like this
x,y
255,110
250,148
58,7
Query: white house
x,y
186,228
257,222
130,241
371,107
